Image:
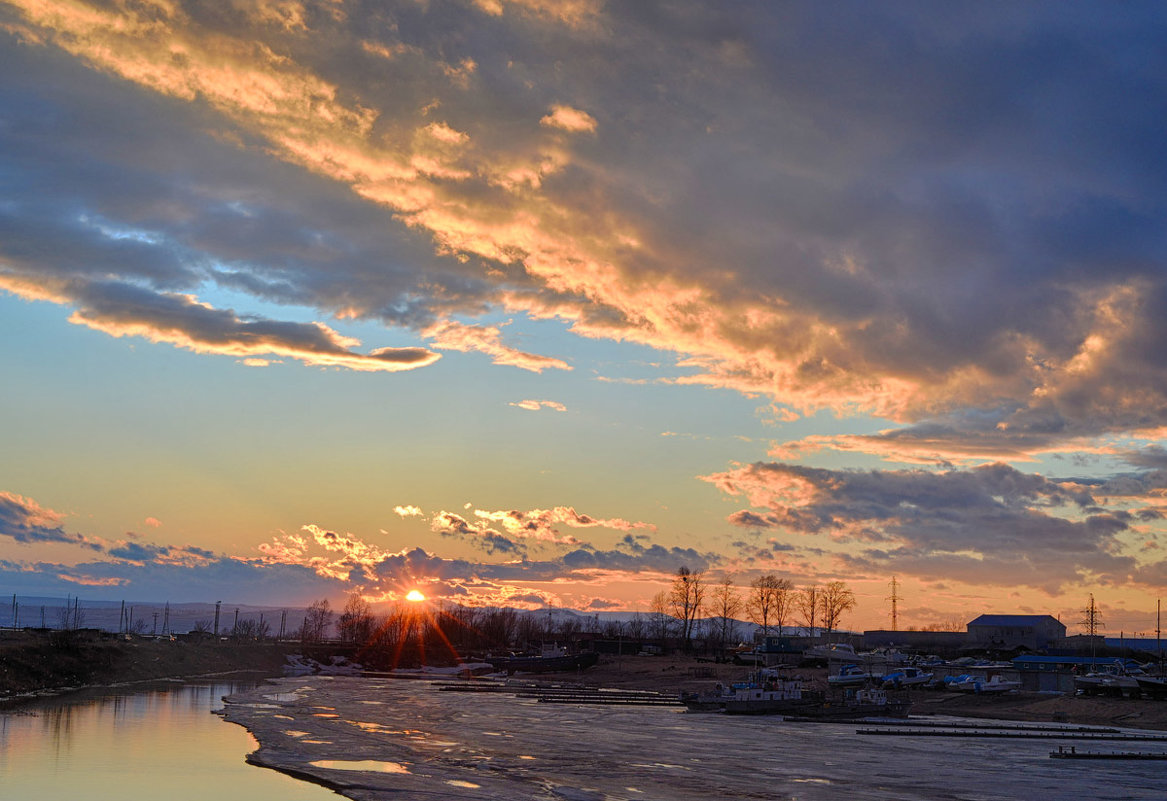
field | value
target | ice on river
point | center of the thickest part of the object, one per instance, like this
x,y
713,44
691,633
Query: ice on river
x,y
375,739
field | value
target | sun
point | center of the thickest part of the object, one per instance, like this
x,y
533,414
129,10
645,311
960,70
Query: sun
x,y
414,595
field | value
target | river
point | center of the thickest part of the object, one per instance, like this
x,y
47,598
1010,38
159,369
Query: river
x,y
381,739
126,745
385,739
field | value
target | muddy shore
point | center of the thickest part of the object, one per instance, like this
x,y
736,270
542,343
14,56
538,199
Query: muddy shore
x,y
36,665
676,674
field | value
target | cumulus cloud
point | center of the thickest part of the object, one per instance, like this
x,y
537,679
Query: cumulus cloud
x,y
536,405
794,207
569,119
407,511
126,310
451,335
989,525
27,522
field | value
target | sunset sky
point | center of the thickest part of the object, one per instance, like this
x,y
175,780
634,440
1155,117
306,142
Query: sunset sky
x,y
535,301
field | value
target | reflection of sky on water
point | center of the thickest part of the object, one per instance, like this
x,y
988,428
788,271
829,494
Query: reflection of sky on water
x,y
512,748
114,746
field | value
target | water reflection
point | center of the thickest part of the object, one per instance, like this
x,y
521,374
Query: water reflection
x,y
112,746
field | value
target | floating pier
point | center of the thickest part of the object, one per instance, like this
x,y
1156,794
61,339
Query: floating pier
x,y
1072,753
571,695
1018,735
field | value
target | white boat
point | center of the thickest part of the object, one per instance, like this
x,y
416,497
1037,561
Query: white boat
x,y
907,677
850,676
1112,681
979,684
830,650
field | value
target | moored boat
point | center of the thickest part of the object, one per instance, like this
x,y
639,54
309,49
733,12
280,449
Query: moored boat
x,y
855,704
767,692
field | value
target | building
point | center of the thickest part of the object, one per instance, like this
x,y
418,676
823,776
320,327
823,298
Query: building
x,y
1010,632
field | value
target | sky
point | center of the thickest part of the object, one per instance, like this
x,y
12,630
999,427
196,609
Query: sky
x,y
533,302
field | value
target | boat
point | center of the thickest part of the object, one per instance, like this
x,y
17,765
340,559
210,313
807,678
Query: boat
x,y
773,695
710,700
767,692
850,676
979,684
1154,686
827,652
547,662
868,702
1115,681
907,677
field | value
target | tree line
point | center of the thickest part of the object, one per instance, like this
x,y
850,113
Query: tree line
x,y
768,602
692,608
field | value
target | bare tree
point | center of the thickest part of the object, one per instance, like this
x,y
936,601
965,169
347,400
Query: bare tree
x,y
686,600
317,619
835,599
635,627
661,622
498,626
355,624
808,606
251,630
726,604
769,600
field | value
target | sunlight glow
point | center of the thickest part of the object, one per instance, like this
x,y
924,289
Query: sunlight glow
x,y
414,595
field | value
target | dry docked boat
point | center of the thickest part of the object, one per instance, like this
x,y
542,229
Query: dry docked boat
x,y
1115,680
850,676
907,677
977,684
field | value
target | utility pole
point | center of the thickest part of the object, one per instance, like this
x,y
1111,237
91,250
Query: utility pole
x,y
894,598
166,619
217,605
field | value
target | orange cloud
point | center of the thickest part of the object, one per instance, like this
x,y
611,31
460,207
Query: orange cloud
x,y
536,405
451,335
569,119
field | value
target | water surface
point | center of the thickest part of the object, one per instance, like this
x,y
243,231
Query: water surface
x,y
120,745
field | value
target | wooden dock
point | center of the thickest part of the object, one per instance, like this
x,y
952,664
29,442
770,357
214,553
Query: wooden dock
x,y
1018,735
1072,753
571,695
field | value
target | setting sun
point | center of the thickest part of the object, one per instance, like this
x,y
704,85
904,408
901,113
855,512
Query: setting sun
x,y
414,595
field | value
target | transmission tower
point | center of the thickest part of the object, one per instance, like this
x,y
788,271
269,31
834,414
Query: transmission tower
x,y
894,598
1092,620
1093,623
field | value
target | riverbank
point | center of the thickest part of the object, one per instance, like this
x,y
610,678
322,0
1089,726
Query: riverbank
x,y
672,675
37,663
